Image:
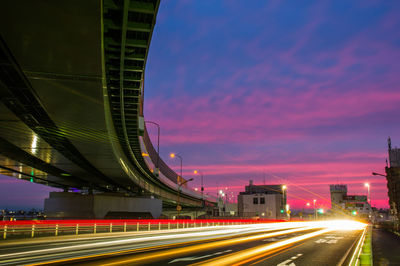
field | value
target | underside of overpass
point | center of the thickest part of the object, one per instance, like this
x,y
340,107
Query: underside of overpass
x,y
71,88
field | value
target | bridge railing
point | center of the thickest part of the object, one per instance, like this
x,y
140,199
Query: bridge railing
x,y
40,228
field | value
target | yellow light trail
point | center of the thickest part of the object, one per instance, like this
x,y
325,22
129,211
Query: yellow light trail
x,y
173,251
251,254
165,254
247,255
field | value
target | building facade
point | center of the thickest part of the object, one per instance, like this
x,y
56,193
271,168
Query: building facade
x,y
264,201
393,180
342,203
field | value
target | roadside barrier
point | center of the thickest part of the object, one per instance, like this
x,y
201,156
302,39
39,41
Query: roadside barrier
x,y
363,252
40,228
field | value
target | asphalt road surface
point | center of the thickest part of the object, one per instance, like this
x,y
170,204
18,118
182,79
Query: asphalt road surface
x,y
329,243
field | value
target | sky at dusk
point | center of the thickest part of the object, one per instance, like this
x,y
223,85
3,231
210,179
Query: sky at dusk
x,y
302,93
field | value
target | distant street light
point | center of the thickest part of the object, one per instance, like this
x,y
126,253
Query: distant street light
x,y
158,146
308,204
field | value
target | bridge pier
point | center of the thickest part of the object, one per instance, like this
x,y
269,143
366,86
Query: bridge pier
x,y
72,205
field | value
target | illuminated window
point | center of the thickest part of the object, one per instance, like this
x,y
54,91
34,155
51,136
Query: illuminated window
x,y
255,200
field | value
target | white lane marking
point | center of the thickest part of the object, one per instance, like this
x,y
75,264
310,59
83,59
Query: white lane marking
x,y
295,257
285,263
200,257
270,239
335,237
329,240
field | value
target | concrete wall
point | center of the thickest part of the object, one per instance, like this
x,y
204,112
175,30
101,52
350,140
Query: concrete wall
x,y
69,205
104,203
76,205
270,209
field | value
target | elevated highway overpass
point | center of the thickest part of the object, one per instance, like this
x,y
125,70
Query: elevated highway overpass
x,y
71,88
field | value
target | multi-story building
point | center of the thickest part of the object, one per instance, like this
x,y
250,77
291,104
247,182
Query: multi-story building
x,y
264,201
349,204
338,194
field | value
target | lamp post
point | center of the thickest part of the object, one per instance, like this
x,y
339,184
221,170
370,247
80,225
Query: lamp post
x,y
373,173
307,206
202,187
201,175
287,207
223,203
179,207
315,211
369,193
158,145
173,155
284,187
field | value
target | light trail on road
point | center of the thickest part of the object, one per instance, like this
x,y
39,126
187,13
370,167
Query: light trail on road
x,y
224,245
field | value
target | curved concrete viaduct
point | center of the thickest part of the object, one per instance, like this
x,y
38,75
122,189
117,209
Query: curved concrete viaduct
x,y
71,88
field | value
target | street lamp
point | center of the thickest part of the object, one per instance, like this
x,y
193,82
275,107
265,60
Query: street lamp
x,y
158,145
315,212
369,193
308,204
173,155
202,187
373,173
179,207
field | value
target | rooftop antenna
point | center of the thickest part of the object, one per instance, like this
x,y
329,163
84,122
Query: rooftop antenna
x,y
389,143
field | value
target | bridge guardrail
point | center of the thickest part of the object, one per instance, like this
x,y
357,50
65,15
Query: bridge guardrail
x,y
40,228
362,254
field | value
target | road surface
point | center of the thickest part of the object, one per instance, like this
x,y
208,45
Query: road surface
x,y
297,243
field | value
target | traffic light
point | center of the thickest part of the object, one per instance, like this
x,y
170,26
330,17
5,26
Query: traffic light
x,y
321,211
354,212
282,211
